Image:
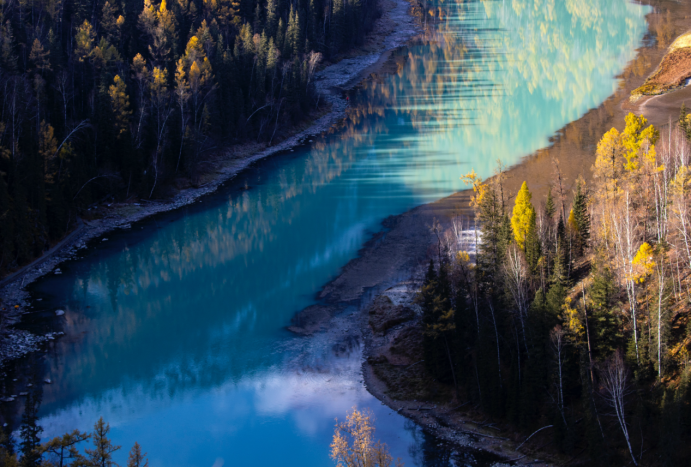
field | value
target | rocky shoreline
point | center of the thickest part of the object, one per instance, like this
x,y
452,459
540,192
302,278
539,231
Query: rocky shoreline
x,y
392,30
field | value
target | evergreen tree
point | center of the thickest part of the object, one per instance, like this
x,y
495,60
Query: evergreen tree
x,y
292,41
336,30
684,121
582,223
136,458
257,23
272,14
533,247
604,325
440,327
8,457
550,208
64,448
30,432
496,234
102,454
426,299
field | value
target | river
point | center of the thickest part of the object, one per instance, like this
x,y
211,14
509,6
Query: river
x,y
175,329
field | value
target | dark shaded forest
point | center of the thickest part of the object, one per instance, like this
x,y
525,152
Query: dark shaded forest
x,y
119,98
573,313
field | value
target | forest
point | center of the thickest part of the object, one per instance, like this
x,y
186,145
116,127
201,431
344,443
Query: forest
x,y
574,313
105,98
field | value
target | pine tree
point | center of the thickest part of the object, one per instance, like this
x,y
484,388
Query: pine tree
x,y
136,458
432,304
604,324
70,77
313,27
102,454
533,247
8,458
292,42
280,35
111,23
30,432
548,234
496,233
272,14
64,448
9,57
684,121
39,58
336,30
550,208
581,221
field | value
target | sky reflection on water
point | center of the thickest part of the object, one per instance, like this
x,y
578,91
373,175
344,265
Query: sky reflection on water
x,y
174,331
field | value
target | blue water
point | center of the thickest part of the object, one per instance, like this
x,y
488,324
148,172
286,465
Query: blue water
x,y
175,330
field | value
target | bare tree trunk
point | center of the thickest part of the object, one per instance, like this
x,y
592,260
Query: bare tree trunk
x,y
661,289
588,338
624,232
516,279
614,377
557,336
516,336
558,176
497,341
451,367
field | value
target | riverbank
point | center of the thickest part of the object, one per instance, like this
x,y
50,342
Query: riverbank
x,y
672,74
393,29
392,263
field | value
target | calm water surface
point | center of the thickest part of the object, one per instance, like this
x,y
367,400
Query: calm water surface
x,y
175,329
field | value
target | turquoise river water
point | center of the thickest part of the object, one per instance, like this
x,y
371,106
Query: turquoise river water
x,y
175,329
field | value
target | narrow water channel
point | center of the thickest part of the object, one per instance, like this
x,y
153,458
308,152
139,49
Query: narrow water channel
x,y
175,329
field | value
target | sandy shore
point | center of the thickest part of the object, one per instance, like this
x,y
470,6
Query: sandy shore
x,y
392,30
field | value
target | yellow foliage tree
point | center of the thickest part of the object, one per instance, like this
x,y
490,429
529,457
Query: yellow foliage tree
x,y
523,215
159,83
47,148
479,188
84,41
572,321
571,221
643,262
637,137
635,141
120,103
463,257
39,57
354,445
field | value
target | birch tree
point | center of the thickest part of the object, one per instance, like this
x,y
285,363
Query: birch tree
x,y
615,383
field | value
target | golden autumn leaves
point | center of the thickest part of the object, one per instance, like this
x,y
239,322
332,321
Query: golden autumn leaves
x,y
354,445
523,216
